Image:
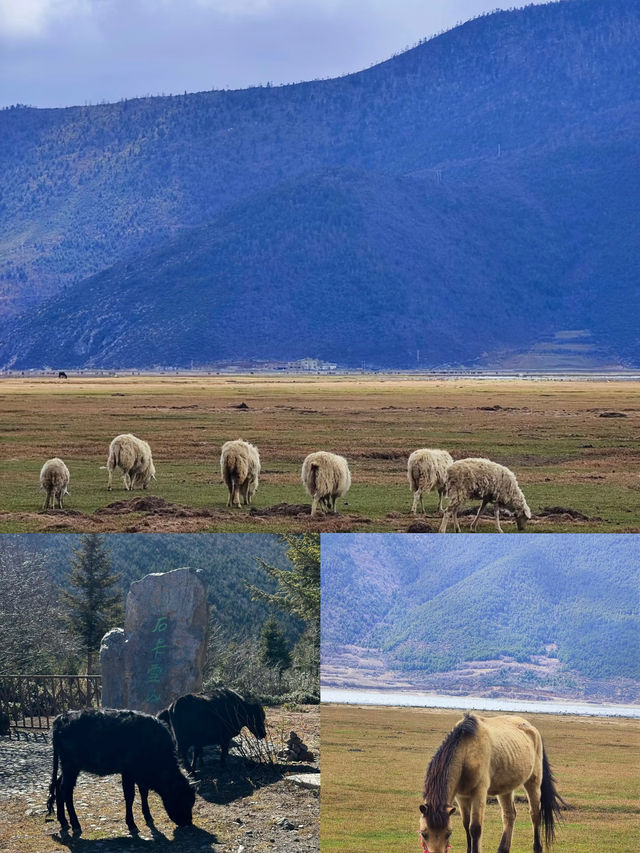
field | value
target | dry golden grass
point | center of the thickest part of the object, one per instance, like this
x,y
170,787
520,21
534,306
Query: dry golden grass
x,y
374,760
550,433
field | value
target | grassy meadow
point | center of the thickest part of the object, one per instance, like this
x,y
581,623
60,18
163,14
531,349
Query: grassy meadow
x,y
550,433
374,761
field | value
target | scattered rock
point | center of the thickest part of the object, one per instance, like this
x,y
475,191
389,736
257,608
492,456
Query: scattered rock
x,y
612,415
306,780
295,750
240,406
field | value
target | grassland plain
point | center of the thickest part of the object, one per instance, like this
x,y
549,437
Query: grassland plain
x,y
559,437
374,761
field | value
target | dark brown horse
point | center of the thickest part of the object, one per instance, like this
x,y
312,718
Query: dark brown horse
x,y
487,756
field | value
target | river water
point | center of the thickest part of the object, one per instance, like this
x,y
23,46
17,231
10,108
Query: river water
x,y
431,700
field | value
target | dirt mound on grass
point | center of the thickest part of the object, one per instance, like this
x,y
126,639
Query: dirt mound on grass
x,y
145,503
421,527
564,513
281,509
154,505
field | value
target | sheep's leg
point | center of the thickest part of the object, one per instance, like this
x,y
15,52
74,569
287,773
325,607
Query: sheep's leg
x,y
474,523
445,521
314,506
456,523
47,498
110,482
144,802
497,515
126,479
416,498
441,495
129,791
60,496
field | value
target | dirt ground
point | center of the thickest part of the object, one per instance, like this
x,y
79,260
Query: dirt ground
x,y
243,808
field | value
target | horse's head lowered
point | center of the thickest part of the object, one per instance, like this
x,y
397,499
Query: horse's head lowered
x,y
435,828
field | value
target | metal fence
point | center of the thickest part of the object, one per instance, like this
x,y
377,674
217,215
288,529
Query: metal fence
x,y
32,701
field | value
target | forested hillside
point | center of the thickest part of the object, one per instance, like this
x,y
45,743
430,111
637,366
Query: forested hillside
x,y
470,199
226,560
431,605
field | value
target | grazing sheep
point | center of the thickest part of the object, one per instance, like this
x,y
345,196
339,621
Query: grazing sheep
x,y
427,470
138,746
240,469
484,480
54,479
133,456
326,477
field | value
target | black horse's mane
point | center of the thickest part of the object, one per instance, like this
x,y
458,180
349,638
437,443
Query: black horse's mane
x,y
435,791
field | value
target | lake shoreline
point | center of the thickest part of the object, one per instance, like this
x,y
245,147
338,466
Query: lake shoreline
x,y
464,703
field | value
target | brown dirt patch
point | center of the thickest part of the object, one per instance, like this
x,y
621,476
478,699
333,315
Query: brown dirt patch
x,y
282,509
245,807
564,513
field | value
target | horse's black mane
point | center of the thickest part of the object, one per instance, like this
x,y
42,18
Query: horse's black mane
x,y
435,791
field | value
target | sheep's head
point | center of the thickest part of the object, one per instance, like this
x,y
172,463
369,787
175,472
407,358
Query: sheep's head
x,y
523,515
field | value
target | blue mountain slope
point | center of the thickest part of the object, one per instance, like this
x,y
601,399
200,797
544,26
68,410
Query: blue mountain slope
x,y
468,198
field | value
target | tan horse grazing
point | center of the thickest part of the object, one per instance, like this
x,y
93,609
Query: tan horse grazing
x,y
487,756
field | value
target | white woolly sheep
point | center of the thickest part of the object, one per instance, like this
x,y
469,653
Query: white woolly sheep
x,y
489,482
240,469
133,456
54,479
326,477
427,470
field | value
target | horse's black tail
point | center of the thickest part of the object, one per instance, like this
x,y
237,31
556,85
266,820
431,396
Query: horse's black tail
x,y
54,781
550,801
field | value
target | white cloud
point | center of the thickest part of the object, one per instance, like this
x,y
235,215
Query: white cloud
x,y
28,19
61,52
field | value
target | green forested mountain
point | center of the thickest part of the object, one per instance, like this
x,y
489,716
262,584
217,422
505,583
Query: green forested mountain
x,y
227,561
431,604
469,198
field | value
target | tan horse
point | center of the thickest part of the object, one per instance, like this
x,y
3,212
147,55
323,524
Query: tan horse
x,y
487,756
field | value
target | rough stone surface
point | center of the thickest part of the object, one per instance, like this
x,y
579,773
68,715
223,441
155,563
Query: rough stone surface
x,y
306,780
112,651
165,641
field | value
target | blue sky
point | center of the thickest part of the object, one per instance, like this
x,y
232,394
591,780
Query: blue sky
x,y
64,52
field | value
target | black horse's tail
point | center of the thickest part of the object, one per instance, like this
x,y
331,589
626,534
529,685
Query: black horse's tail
x,y
550,801
54,781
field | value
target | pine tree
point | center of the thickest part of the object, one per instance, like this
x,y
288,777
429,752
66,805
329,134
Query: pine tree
x,y
298,593
298,590
274,650
95,607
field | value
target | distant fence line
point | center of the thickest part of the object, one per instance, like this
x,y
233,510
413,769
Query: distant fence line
x,y
31,701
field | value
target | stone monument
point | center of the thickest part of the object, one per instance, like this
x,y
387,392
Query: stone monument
x,y
160,654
